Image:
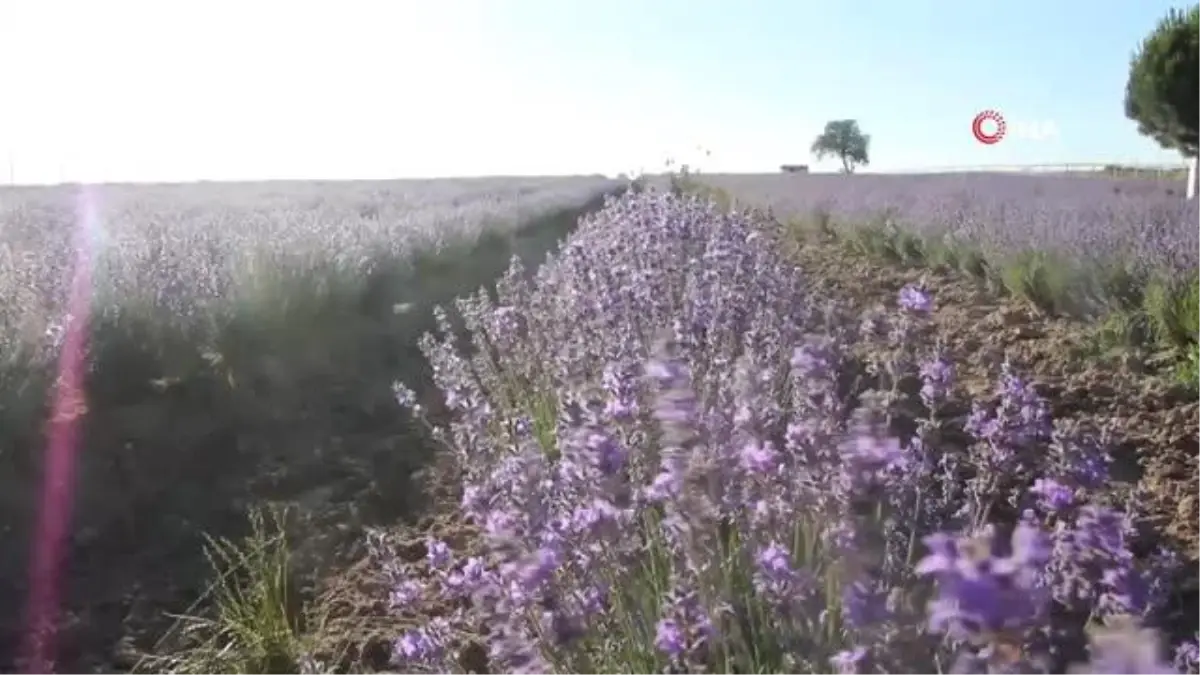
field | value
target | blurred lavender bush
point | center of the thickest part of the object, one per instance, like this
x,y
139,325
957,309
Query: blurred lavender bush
x,y
674,463
240,333
1094,247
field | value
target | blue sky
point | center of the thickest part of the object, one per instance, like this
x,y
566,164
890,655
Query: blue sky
x,y
224,89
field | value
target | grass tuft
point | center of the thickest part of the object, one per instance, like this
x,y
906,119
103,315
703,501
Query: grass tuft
x,y
1174,311
257,622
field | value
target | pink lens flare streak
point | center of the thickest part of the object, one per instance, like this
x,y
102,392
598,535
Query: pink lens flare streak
x,y
68,408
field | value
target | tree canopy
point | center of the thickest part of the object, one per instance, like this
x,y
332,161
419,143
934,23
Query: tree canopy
x,y
843,139
1163,91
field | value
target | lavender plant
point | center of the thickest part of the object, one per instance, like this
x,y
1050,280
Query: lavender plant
x,y
674,461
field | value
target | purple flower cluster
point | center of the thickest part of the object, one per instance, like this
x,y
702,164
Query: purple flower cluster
x,y
669,472
984,589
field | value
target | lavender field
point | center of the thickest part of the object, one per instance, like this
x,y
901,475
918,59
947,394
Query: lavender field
x,y
212,346
1084,245
182,248
689,441
1091,219
675,453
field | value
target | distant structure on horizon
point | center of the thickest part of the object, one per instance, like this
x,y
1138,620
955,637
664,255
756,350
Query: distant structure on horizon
x,y
794,168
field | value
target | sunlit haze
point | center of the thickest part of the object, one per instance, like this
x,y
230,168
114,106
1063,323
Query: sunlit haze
x,y
135,90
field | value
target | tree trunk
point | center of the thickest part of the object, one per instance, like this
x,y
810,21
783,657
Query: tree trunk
x,y
1193,177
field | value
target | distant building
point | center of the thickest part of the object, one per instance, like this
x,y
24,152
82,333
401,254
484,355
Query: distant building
x,y
794,168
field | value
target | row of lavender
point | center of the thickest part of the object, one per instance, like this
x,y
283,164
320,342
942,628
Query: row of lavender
x,y
183,248
1145,223
674,466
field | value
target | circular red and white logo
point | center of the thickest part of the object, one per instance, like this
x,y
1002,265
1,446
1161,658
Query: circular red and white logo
x,y
988,127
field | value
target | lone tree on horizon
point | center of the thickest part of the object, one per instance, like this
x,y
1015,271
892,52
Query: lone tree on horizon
x,y
1163,91
844,139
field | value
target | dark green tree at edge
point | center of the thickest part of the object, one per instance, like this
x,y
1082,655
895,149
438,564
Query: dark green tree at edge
x,y
1163,92
843,139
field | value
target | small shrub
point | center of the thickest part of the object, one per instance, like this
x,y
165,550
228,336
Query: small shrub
x,y
822,221
877,239
1122,286
943,255
1043,281
1174,311
1121,330
974,264
910,248
1187,371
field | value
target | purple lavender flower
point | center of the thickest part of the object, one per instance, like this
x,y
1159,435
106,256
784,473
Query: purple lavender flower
x,y
778,580
847,662
864,604
812,361
413,645
602,451
425,645
437,552
539,568
759,457
1052,495
1187,656
467,579
868,459
937,376
406,592
684,631
669,638
916,299
982,589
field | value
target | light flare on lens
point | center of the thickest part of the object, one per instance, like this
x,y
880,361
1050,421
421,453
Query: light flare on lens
x,y
68,408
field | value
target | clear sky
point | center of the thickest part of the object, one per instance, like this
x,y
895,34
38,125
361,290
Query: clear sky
x,y
119,90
